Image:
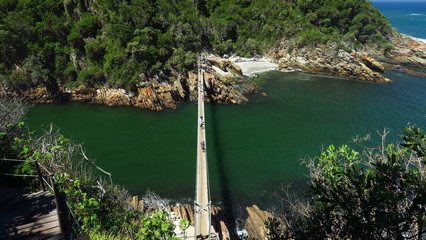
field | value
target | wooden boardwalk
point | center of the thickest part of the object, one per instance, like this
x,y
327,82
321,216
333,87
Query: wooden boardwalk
x,y
29,216
202,208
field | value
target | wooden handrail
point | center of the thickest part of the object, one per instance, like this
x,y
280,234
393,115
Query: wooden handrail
x,y
40,177
63,209
16,160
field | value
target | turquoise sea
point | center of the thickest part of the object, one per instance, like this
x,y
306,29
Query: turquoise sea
x,y
252,148
409,17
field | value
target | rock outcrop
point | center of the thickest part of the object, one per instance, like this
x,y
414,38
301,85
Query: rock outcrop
x,y
408,51
154,93
329,60
372,64
220,222
254,222
368,64
225,65
147,97
38,95
225,85
220,91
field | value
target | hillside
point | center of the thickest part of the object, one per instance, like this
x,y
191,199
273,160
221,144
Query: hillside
x,y
129,44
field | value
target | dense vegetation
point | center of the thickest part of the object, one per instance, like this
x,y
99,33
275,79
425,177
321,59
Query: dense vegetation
x,y
63,43
379,193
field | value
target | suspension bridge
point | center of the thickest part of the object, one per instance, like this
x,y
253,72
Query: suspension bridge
x,y
202,205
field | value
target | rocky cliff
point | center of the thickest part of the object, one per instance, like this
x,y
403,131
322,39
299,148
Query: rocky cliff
x,y
153,93
327,59
366,64
223,82
408,53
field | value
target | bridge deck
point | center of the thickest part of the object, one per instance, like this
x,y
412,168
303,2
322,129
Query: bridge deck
x,y
29,216
202,207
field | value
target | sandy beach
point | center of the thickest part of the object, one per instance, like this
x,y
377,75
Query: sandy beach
x,y
252,65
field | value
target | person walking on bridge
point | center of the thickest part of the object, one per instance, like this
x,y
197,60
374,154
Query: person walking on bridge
x,y
203,146
201,122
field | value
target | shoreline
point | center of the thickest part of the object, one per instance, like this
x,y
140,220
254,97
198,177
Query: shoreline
x,y
254,65
417,39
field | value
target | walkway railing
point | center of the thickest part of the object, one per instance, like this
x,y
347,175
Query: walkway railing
x,y
47,180
202,204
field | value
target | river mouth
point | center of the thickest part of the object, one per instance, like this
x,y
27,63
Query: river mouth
x,y
253,148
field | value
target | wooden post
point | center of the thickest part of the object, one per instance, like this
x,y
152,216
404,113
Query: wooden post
x,y
40,177
62,209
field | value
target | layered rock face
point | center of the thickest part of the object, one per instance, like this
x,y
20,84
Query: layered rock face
x,y
367,65
408,51
151,95
329,60
155,93
223,86
255,222
225,65
226,88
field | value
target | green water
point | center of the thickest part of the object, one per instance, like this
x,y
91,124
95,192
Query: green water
x,y
252,148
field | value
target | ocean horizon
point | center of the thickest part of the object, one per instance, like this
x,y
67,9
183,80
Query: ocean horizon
x,y
408,17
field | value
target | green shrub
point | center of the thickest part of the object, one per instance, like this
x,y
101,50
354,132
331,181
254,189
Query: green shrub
x,y
88,25
75,39
377,194
91,77
156,227
95,51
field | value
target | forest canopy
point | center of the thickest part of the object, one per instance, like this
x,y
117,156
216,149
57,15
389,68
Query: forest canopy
x,y
65,43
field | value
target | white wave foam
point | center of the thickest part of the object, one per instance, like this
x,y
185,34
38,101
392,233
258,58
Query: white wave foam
x,y
421,39
416,14
418,39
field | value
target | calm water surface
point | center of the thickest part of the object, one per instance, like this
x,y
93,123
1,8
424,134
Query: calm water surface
x,y
252,148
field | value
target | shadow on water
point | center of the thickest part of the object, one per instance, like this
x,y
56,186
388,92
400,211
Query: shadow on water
x,y
222,177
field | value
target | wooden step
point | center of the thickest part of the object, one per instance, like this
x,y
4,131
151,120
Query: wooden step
x,y
31,216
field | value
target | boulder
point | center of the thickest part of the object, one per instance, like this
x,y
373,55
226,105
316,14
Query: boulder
x,y
338,63
255,222
225,65
147,98
82,94
222,92
372,64
177,85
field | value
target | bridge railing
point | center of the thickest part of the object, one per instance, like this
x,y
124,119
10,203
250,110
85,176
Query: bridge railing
x,y
47,181
202,204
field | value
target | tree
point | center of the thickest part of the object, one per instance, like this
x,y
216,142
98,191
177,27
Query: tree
x,y
88,25
41,70
377,194
129,38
